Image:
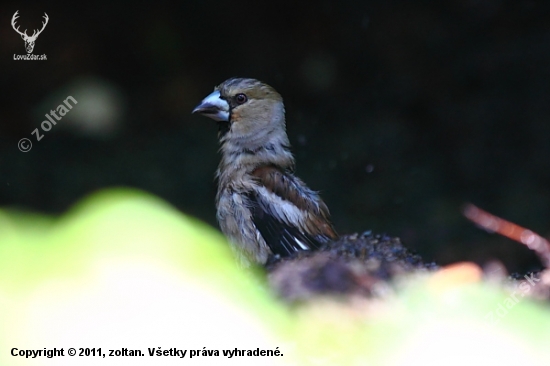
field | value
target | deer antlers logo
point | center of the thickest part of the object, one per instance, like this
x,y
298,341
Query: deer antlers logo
x,y
29,41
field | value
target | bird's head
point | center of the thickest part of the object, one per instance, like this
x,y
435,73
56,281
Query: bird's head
x,y
244,109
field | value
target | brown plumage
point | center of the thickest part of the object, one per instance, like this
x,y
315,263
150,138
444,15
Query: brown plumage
x,y
278,183
262,207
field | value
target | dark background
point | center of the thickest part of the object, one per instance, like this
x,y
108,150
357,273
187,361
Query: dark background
x,y
399,112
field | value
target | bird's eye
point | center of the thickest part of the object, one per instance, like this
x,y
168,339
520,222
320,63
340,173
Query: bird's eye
x,y
240,98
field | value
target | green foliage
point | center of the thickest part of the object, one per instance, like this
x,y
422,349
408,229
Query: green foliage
x,y
124,269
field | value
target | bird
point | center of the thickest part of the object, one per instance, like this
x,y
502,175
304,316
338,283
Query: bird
x,y
262,207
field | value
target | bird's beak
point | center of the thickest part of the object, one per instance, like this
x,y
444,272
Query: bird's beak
x,y
214,107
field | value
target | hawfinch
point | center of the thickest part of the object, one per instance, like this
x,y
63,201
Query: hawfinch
x,y
262,207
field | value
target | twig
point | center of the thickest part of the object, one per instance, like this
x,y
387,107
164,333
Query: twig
x,y
492,223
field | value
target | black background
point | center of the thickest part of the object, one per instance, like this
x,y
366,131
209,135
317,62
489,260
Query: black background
x,y
399,112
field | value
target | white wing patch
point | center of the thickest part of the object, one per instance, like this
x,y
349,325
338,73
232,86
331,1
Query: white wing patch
x,y
280,208
301,244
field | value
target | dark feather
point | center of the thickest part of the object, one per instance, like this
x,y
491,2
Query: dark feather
x,y
291,189
223,128
281,238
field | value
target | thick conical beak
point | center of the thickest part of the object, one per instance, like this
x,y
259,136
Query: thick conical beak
x,y
214,107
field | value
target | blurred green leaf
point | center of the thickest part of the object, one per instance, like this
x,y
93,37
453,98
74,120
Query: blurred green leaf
x,y
125,269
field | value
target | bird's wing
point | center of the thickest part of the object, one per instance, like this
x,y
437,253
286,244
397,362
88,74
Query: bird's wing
x,y
289,216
